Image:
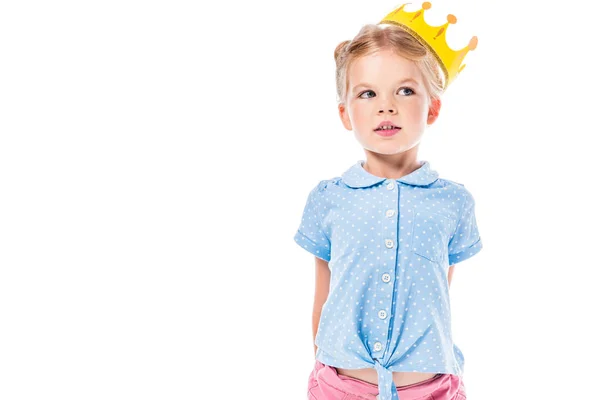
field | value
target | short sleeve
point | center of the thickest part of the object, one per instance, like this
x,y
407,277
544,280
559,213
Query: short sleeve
x,y
465,242
310,234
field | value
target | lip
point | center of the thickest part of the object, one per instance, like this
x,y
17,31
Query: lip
x,y
388,132
382,123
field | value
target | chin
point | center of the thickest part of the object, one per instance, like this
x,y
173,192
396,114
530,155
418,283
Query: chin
x,y
387,148
386,152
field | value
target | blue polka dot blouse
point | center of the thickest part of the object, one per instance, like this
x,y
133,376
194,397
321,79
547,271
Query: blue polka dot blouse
x,y
389,243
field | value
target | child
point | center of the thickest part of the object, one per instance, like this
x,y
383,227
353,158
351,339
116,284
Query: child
x,y
387,233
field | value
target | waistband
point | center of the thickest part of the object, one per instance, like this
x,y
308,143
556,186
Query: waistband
x,y
386,389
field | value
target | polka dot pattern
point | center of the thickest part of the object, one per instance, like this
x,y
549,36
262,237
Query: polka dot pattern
x,y
389,244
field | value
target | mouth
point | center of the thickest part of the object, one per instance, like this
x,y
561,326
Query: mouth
x,y
389,130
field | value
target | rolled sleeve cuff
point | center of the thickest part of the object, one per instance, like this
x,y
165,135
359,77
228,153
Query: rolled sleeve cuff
x,y
466,253
306,243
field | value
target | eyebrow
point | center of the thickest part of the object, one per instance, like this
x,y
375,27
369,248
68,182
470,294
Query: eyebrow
x,y
399,82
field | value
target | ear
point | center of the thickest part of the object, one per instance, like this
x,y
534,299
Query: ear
x,y
434,111
344,116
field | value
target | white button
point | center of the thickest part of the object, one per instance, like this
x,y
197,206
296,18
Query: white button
x,y
386,278
389,213
389,243
382,314
390,185
377,346
377,397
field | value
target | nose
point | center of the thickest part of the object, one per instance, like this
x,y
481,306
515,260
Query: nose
x,y
391,110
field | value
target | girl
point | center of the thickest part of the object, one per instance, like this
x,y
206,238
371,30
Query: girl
x,y
387,233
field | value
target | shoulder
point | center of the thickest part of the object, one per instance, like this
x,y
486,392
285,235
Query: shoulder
x,y
326,186
325,191
457,187
458,191
449,183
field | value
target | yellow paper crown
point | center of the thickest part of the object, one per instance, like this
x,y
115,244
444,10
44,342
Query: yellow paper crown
x,y
432,37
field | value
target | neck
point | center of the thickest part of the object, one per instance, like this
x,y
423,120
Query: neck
x,y
391,166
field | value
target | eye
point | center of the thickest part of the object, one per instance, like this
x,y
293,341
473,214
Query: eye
x,y
366,91
411,92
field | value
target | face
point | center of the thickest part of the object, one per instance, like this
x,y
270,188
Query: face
x,y
387,87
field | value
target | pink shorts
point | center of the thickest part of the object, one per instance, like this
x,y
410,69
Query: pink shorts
x,y
324,383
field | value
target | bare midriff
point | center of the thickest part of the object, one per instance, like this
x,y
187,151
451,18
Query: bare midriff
x,y
400,378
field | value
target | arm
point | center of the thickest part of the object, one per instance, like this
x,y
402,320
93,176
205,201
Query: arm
x,y
450,272
322,279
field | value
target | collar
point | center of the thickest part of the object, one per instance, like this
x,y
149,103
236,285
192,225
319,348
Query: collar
x,y
357,177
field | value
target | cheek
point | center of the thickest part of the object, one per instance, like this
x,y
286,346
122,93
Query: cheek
x,y
417,111
361,114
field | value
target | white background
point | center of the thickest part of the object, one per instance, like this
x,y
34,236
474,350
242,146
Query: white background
x,y
155,158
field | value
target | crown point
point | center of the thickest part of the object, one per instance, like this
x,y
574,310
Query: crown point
x,y
451,19
426,5
473,43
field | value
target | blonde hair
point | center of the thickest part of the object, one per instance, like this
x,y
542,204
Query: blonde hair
x,y
372,38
